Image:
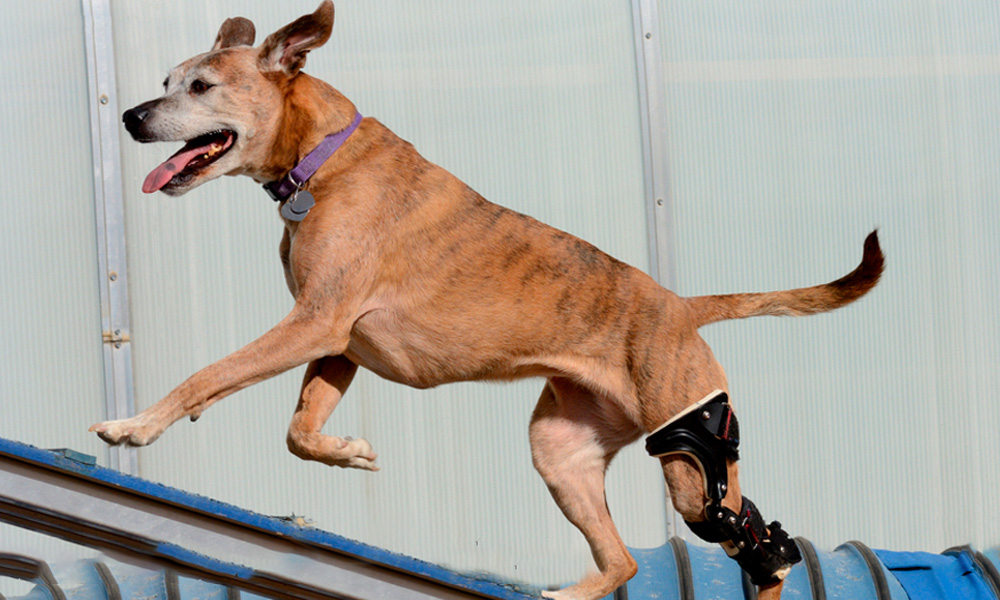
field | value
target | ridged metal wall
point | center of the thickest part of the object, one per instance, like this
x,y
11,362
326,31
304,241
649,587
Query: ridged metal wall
x,y
792,129
796,128
51,355
51,374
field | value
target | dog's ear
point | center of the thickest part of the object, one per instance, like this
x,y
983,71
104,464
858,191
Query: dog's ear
x,y
235,32
286,49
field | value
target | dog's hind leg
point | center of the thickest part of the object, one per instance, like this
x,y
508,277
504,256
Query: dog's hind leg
x,y
764,551
324,385
573,438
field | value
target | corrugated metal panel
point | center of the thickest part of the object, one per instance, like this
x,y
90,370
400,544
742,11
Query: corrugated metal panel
x,y
796,128
534,105
51,354
51,382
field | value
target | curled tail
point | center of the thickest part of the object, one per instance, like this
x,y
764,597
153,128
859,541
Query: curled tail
x,y
798,302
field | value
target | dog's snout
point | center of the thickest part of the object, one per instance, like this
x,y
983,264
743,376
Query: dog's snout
x,y
135,115
135,120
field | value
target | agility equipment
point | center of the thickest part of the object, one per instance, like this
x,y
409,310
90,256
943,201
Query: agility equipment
x,y
67,495
178,550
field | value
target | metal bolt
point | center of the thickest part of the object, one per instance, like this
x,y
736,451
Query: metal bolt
x,y
649,35
113,276
104,99
741,545
659,201
723,487
118,345
706,415
732,520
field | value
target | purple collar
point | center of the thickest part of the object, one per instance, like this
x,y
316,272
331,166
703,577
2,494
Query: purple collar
x,y
283,188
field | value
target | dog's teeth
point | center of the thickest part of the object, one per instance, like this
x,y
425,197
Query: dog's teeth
x,y
212,151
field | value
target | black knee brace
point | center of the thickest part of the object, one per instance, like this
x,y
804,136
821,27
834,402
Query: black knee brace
x,y
708,432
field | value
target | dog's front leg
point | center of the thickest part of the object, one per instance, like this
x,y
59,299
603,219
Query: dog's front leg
x,y
301,337
324,385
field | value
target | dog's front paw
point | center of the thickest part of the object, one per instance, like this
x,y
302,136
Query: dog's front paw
x,y
131,432
356,454
345,452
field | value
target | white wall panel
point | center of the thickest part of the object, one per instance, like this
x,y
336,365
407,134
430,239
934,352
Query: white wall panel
x,y
51,383
794,129
535,106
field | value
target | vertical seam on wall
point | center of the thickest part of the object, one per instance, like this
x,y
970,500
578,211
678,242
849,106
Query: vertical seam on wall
x,y
652,114
659,205
110,223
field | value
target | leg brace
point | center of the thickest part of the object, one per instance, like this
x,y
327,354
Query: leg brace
x,y
708,432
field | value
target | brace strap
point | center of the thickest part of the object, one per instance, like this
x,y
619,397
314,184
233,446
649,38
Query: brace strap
x,y
709,433
766,553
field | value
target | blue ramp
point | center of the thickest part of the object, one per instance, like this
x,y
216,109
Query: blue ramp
x,y
162,542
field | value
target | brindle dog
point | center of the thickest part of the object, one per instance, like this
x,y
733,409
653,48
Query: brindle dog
x,y
404,270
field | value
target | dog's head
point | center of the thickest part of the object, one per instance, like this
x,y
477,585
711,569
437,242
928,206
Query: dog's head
x,y
224,104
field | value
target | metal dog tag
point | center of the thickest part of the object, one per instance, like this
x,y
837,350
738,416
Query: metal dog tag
x,y
297,207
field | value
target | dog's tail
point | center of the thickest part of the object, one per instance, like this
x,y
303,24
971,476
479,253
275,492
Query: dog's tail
x,y
798,302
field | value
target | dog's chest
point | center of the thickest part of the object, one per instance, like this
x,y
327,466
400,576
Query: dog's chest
x,y
408,350
386,347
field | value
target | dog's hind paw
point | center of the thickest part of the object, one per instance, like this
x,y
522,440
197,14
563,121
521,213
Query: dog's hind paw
x,y
556,595
593,587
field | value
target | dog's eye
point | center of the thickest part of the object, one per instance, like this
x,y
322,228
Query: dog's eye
x,y
199,87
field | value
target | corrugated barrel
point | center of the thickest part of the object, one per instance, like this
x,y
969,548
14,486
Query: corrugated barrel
x,y
676,570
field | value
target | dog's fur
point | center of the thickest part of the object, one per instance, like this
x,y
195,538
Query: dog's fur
x,y
404,270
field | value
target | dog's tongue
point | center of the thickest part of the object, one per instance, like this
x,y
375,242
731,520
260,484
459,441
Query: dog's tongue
x,y
162,174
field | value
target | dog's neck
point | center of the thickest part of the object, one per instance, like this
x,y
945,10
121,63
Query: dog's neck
x,y
312,110
297,178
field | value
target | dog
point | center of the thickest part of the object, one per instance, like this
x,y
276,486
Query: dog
x,y
404,270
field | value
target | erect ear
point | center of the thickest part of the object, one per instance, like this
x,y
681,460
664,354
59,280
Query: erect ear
x,y
235,32
286,49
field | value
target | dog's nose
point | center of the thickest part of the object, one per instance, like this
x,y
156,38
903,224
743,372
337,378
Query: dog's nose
x,y
134,117
137,120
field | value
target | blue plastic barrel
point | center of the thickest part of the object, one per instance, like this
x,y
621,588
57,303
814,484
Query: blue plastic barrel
x,y
675,571
852,571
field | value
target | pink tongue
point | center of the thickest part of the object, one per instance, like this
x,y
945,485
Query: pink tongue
x,y
162,174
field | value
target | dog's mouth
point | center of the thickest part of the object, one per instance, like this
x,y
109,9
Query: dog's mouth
x,y
195,156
